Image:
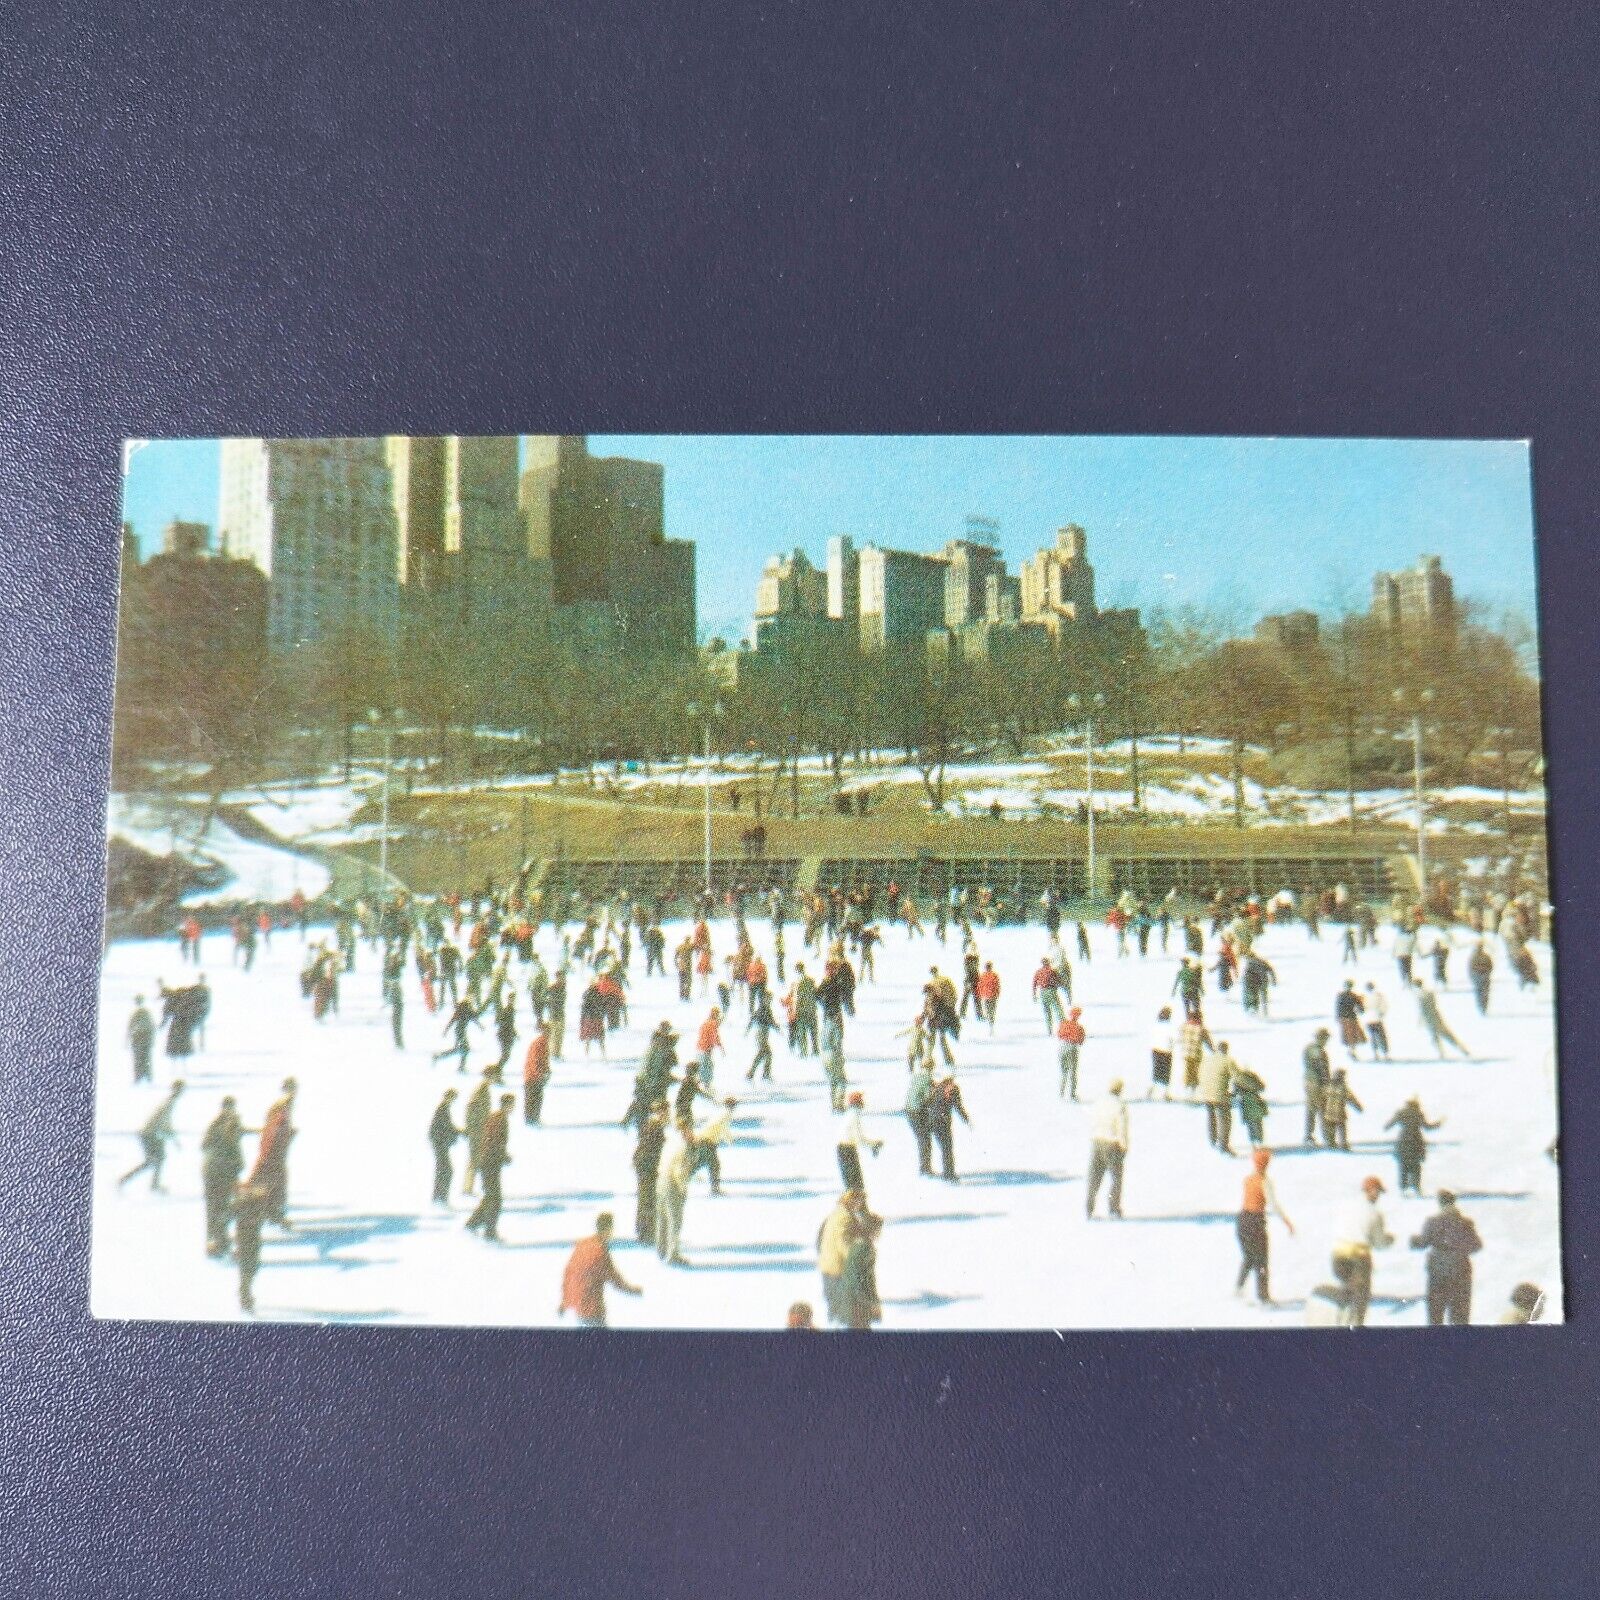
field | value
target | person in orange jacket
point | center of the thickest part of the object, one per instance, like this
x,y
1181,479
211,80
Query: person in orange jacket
x,y
755,975
1071,1034
271,1171
589,1269
535,1075
708,1042
1259,1199
1046,990
988,992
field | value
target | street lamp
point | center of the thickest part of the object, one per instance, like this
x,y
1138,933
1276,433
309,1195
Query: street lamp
x,y
1403,698
386,721
706,714
1088,704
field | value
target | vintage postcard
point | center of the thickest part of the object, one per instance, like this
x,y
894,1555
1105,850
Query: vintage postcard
x,y
828,882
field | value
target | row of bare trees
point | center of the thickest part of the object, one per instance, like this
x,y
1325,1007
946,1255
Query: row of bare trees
x,y
1328,713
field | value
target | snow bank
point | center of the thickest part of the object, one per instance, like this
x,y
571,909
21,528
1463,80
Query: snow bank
x,y
300,813
253,871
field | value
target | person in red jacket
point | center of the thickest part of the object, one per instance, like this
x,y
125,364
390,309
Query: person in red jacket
x,y
589,1269
535,1075
1071,1033
271,1171
1046,990
709,1040
987,989
1259,1199
755,975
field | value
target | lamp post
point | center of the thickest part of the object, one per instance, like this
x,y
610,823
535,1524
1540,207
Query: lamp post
x,y
1089,705
705,714
386,721
1416,703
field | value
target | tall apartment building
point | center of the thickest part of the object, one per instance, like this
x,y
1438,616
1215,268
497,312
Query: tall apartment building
x,y
1420,600
958,605
416,474
460,551
1057,584
844,582
790,586
970,564
317,517
1002,599
902,597
598,523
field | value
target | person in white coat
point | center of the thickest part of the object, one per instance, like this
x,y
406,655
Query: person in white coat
x,y
1377,1020
1362,1231
1108,1147
1217,1070
672,1190
851,1142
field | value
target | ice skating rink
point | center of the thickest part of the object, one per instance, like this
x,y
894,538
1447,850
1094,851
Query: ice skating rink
x,y
1006,1247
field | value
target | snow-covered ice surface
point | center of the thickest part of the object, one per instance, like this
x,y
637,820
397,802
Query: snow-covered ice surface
x,y
1006,1247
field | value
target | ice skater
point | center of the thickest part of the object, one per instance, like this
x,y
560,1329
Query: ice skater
x,y
221,1162
1410,1143
154,1137
1451,1241
141,1037
851,1142
1108,1148
1259,1201
1071,1034
1432,1019
1362,1231
271,1171
588,1271
493,1156
442,1135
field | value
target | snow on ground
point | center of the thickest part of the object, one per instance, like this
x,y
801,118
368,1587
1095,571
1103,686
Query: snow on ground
x,y
309,811
1006,1247
322,811
254,871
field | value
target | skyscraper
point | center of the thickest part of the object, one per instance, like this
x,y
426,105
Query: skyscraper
x,y
902,597
791,586
317,516
416,468
1420,600
971,564
844,582
483,536
1058,582
598,522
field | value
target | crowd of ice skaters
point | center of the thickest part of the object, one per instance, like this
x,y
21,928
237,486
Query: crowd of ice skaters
x,y
790,965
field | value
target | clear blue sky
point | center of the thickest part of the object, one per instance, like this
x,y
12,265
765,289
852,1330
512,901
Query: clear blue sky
x,y
1241,525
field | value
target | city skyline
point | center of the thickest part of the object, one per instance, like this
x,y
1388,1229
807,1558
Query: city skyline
x,y
1248,526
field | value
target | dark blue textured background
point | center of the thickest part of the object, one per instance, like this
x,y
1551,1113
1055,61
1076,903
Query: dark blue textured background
x,y
475,218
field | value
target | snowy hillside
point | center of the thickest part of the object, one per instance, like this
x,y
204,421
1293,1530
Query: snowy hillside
x,y
244,869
